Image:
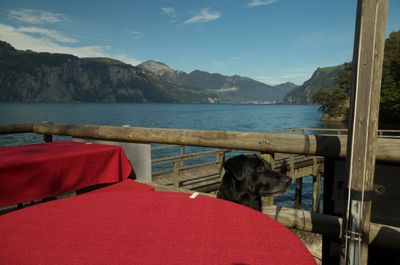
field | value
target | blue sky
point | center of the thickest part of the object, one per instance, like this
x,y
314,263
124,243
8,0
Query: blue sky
x,y
272,41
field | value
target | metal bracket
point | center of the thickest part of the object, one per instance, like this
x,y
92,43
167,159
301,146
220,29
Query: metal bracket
x,y
367,195
355,236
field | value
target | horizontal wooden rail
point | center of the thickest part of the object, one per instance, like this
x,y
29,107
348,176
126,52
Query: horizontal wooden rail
x,y
331,146
16,128
162,147
162,172
298,162
184,168
189,156
198,165
319,129
389,136
331,226
331,131
203,180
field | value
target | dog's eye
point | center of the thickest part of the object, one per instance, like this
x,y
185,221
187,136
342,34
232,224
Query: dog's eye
x,y
260,169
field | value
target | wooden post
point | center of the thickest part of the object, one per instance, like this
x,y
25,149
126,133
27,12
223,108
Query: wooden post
x,y
220,161
299,185
268,200
328,204
364,113
176,174
298,193
316,189
48,138
182,153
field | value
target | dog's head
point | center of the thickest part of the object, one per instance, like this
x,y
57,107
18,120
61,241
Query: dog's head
x,y
256,176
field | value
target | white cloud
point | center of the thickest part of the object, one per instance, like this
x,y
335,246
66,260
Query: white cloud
x,y
169,11
324,38
241,57
255,3
203,16
233,60
136,34
33,16
22,40
49,33
297,76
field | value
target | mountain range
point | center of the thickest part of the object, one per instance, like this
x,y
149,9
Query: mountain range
x,y
229,89
27,76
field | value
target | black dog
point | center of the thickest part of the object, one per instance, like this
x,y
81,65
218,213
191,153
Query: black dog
x,y
247,178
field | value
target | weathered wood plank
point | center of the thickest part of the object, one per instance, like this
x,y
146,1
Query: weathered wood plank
x,y
368,55
16,128
189,156
331,226
331,146
316,187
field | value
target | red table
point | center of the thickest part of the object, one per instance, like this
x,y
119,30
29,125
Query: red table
x,y
145,227
37,171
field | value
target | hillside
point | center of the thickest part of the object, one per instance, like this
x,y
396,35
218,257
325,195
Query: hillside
x,y
27,76
334,103
321,79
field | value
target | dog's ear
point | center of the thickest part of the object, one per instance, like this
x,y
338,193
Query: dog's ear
x,y
234,166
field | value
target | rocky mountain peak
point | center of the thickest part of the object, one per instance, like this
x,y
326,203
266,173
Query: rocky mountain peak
x,y
161,70
155,67
6,48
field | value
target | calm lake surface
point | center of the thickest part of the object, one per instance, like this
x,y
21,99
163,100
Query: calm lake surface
x,y
187,116
255,118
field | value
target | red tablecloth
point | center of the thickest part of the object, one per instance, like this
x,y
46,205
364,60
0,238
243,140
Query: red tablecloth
x,y
126,185
37,171
145,227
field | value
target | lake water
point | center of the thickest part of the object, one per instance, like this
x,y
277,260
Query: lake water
x,y
188,116
249,118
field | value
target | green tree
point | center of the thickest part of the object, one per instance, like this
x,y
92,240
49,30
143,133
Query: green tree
x,y
332,102
390,89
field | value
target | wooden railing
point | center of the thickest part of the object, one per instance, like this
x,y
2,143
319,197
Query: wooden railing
x,y
333,146
395,134
320,145
176,164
